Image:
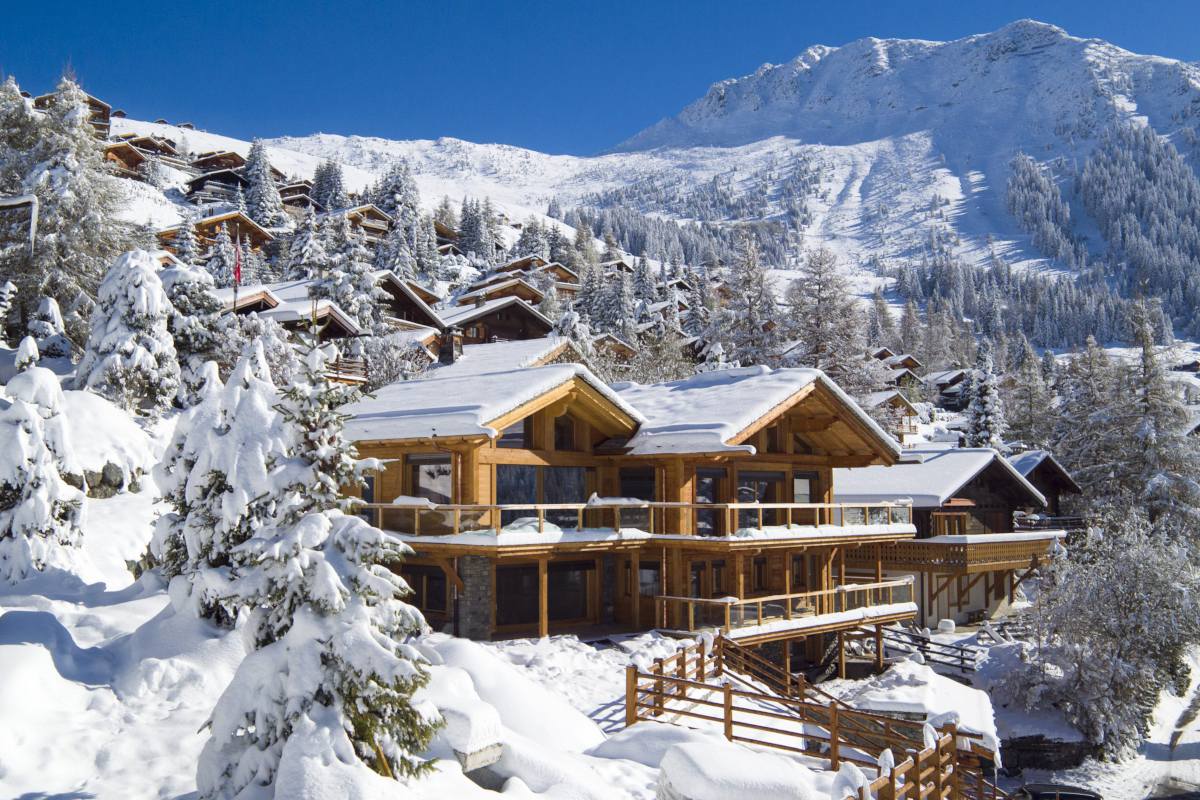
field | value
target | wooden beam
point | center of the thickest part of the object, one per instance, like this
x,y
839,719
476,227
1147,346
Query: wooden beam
x,y
450,571
635,591
812,424
543,598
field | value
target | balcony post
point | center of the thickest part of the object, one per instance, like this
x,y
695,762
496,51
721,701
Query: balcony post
x,y
635,590
879,648
631,692
543,598
841,639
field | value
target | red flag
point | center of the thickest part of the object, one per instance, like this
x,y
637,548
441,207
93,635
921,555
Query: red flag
x,y
237,266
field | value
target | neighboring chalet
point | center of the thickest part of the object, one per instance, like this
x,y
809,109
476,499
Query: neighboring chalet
x,y
239,226
491,320
371,222
509,287
99,112
967,559
947,387
540,500
1051,478
217,186
907,417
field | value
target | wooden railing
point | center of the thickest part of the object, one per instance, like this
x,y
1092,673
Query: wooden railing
x,y
730,613
692,688
964,657
347,369
651,517
950,557
1040,523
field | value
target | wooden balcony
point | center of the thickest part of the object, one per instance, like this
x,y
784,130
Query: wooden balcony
x,y
961,557
755,620
756,524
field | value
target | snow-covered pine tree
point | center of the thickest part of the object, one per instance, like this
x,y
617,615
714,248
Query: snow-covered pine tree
x,y
585,245
589,302
194,323
47,328
1029,404
79,231
27,354
644,287
328,187
263,203
306,256
277,344
187,249
8,296
349,277
881,328
748,325
825,319
397,195
424,245
324,591
219,480
239,201
531,242
700,302
911,329
222,258
40,524
395,254
445,213
550,307
986,424
130,356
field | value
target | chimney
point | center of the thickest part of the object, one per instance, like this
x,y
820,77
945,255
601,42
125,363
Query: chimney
x,y
480,301
450,347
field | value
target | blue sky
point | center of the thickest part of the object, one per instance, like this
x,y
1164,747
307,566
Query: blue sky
x,y
567,77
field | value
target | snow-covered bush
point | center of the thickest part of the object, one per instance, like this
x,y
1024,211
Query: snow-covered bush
x,y
130,357
41,516
194,324
47,327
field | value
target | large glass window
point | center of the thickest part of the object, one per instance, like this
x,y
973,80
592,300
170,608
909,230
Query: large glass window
x,y
516,484
564,433
368,496
709,484
428,584
567,590
637,482
805,489
517,595
697,587
649,579
564,485
518,435
431,477
759,487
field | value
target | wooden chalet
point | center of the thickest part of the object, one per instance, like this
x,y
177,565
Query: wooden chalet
x,y
371,222
615,347
297,199
537,499
907,417
289,304
947,387
512,287
126,159
967,559
408,301
218,160
99,112
501,319
524,264
239,226
218,186
444,233
1048,476
153,145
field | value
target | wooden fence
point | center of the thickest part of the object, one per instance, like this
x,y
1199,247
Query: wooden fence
x,y
695,686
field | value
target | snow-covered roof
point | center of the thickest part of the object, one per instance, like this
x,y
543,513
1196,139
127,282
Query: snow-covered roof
x,y
292,302
462,405
704,413
928,476
943,376
483,291
1027,462
463,314
500,356
876,399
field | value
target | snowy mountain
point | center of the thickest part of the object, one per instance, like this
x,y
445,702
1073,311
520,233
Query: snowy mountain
x,y
892,128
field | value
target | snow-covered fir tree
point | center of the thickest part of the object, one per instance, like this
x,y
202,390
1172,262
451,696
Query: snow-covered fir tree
x,y
881,328
306,255
79,231
8,297
194,324
41,521
328,187
263,203
222,259
27,354
187,249
644,287
1028,402
825,322
531,242
986,424
47,328
748,324
445,214
396,194
395,253
130,356
348,279
910,328
332,633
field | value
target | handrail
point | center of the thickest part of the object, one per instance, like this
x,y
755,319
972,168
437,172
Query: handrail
x,y
733,613
655,517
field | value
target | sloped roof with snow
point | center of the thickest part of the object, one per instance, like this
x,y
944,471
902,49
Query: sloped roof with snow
x,y
292,302
462,405
703,413
500,357
462,314
1025,463
928,476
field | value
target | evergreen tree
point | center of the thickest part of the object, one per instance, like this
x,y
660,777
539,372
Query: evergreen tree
x,y
349,278
306,255
825,319
47,328
748,325
644,287
263,203
79,231
985,415
328,186
40,524
911,329
130,357
187,249
445,214
8,296
395,254
397,195
424,245
194,324
222,259
323,589
585,246
531,242
881,329
1029,404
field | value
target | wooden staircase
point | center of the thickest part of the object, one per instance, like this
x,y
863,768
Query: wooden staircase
x,y
786,712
